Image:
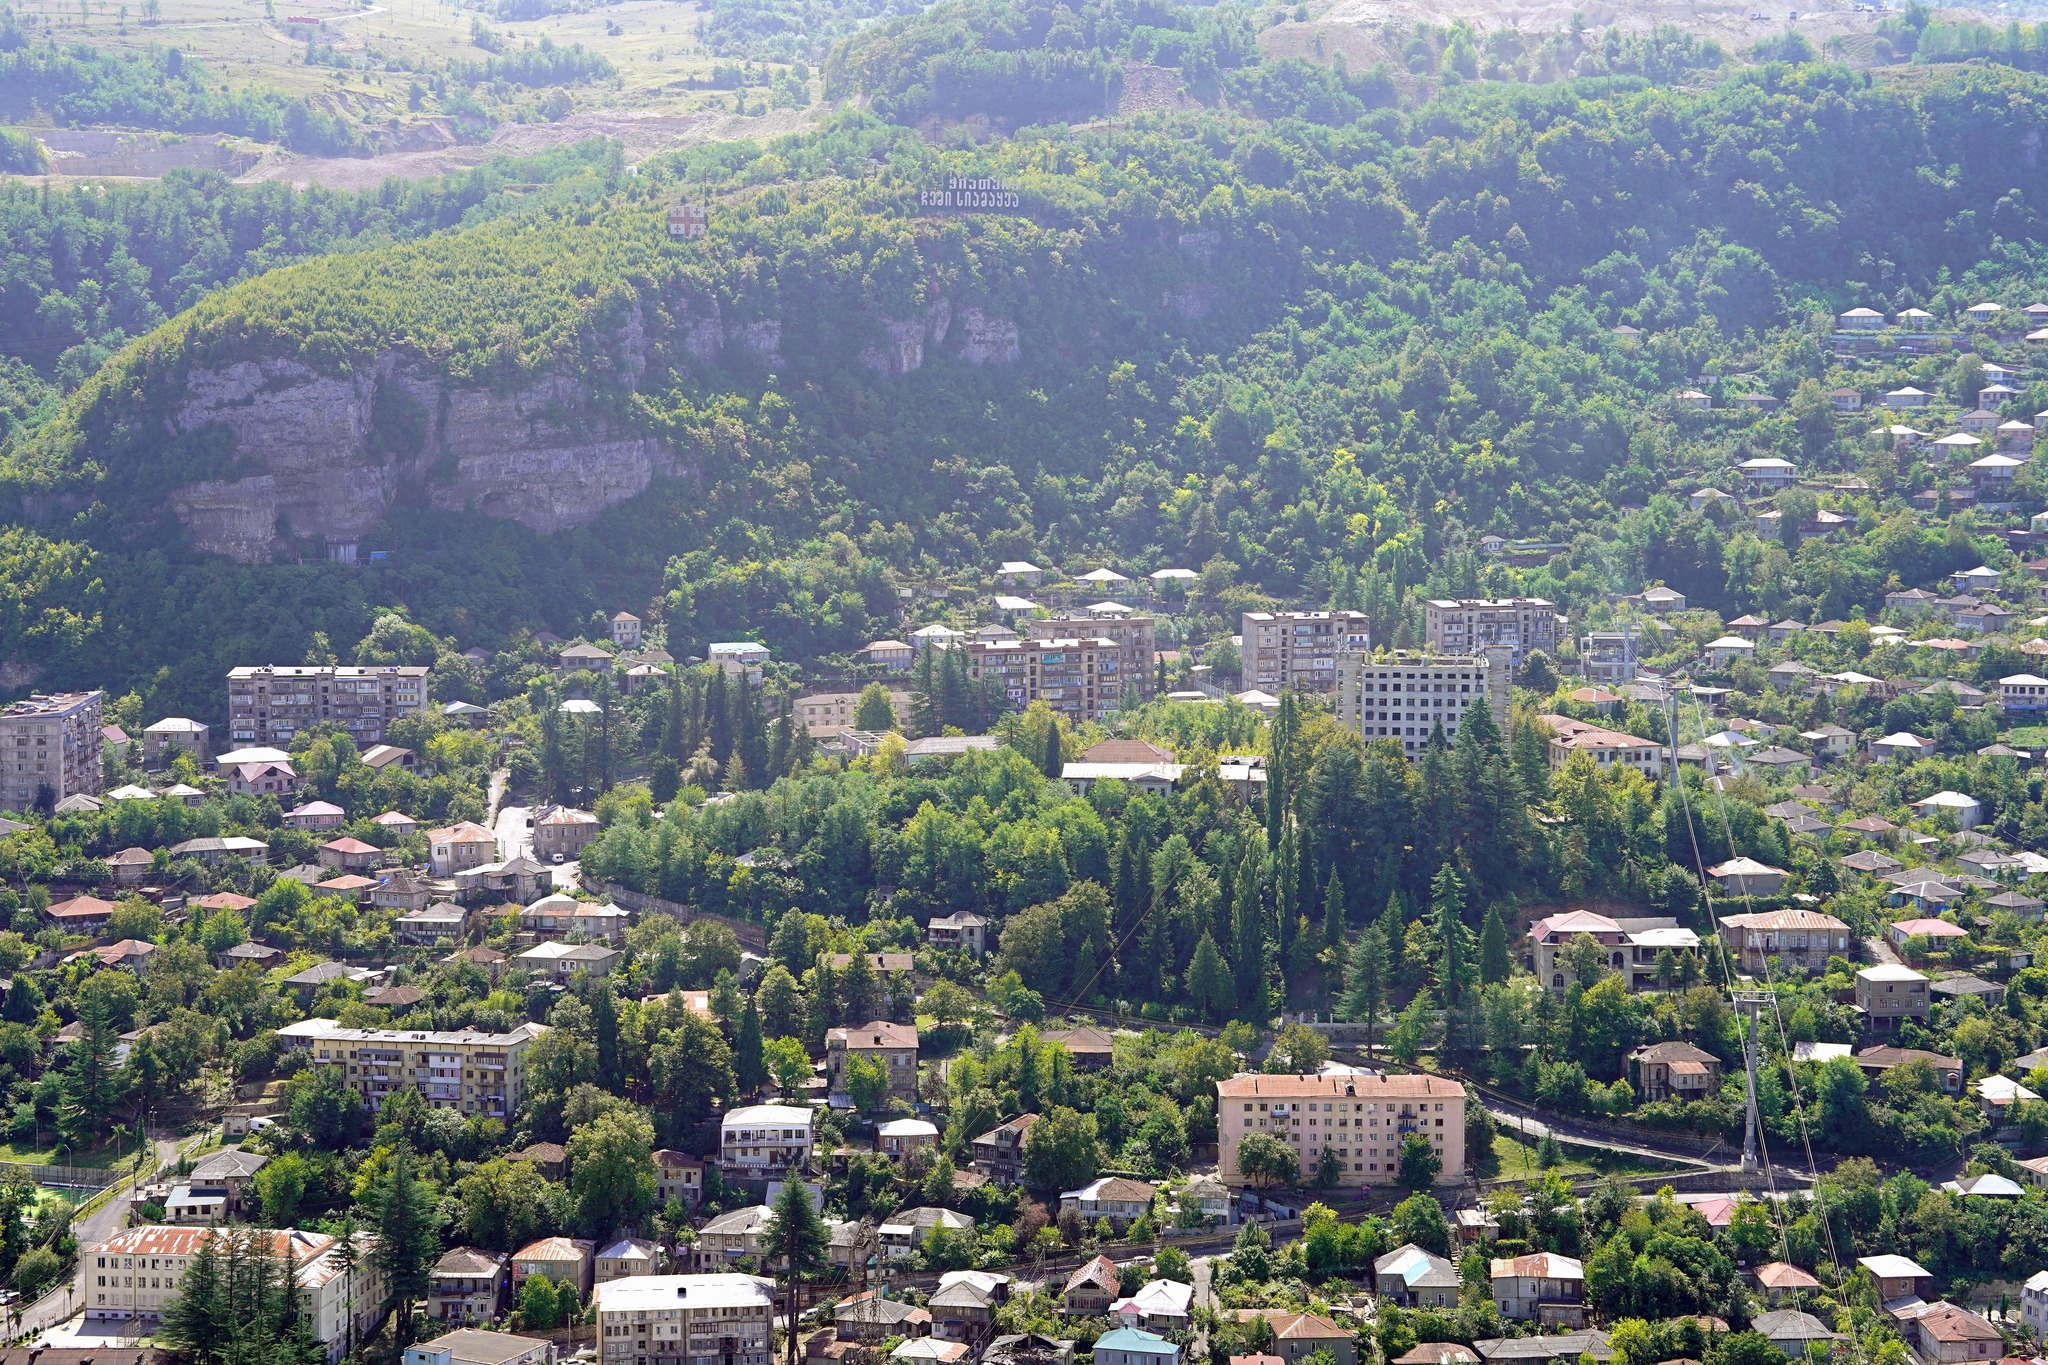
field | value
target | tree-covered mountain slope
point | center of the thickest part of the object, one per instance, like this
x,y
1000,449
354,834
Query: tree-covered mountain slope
x,y
1312,349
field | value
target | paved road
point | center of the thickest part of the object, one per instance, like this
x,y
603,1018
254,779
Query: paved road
x,y
91,1230
1880,950
1528,1126
514,837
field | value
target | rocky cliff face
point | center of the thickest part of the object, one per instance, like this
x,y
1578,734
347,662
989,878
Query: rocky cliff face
x,y
331,455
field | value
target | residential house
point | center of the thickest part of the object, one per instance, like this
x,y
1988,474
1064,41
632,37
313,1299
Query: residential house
x,y
460,847
1631,947
1091,1048
1296,1336
1888,992
1748,877
1997,1096
1544,1287
870,1319
1794,938
1948,1335
1674,1070
436,924
1607,747
1965,810
1897,1278
564,961
999,1153
1564,1348
565,1260
899,1139
1780,1280
893,1046
466,1070
468,1285
1157,1306
269,778
761,1140
473,1346
1795,1333
79,914
1117,1199
903,1233
1130,1346
963,1308
962,929
1410,1277
625,1258
175,732
1767,473
561,832
1091,1289
732,1236
314,816
678,1176
2034,1299
349,855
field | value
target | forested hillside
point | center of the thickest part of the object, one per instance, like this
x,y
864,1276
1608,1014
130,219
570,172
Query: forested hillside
x,y
1328,354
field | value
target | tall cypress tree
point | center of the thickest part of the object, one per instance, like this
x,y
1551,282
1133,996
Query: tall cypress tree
x,y
718,724
408,1235
1054,760
749,1061
1394,930
1333,911
1447,900
1494,963
1248,953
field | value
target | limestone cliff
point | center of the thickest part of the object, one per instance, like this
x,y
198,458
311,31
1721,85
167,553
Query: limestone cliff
x,y
330,455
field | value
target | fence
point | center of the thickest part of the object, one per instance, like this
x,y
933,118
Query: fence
x,y
750,935
65,1177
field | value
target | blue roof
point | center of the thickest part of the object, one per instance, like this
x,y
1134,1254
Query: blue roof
x,y
1134,1339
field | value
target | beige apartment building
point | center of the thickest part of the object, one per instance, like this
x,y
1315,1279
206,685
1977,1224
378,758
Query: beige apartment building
x,y
136,1272
1135,638
476,1073
1399,695
50,746
1282,649
1082,679
1467,625
719,1319
894,1046
269,705
825,714
1363,1119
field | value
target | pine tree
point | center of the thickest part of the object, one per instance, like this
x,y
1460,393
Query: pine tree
x,y
408,1235
1287,886
857,990
796,1239
1333,912
749,1062
1494,963
92,1083
718,725
924,712
604,1032
1365,981
601,693
193,1320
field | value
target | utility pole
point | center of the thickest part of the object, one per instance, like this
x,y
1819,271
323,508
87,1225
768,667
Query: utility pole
x,y
1749,1003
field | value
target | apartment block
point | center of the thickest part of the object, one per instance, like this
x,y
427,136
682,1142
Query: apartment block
x,y
136,1272
1402,696
1362,1119
50,748
1282,649
1468,625
1082,679
1134,636
719,1319
269,705
476,1073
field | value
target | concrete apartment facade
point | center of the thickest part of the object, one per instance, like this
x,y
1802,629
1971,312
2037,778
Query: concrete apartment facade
x,y
716,1319
475,1073
1363,1119
1082,679
1467,625
1135,638
50,747
1401,696
270,704
1282,649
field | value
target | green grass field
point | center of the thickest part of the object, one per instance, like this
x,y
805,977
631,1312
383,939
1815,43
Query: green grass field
x,y
1515,1159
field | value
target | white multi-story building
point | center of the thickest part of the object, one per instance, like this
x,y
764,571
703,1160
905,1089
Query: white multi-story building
x,y
1467,625
763,1140
466,1070
135,1273
1402,696
720,1319
50,748
1281,649
1362,1119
